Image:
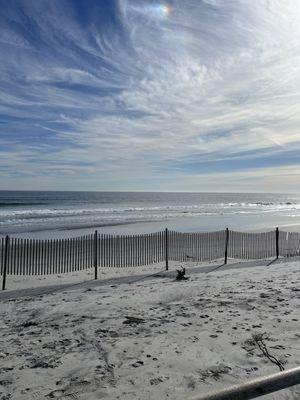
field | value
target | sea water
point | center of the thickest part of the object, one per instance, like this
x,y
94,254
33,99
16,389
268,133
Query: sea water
x,y
62,214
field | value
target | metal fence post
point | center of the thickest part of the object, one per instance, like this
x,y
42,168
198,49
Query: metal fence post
x,y
167,249
96,253
256,388
226,245
6,250
277,243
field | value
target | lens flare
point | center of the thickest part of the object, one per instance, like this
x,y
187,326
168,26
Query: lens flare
x,y
166,9
162,10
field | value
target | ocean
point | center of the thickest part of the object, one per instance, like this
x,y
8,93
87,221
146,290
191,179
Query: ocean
x,y
41,214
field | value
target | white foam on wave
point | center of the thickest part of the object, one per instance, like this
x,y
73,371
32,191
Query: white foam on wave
x,y
26,215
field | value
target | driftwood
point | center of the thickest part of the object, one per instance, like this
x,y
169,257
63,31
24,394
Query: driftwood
x,y
259,340
181,275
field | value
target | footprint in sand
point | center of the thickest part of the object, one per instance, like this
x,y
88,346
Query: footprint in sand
x,y
55,394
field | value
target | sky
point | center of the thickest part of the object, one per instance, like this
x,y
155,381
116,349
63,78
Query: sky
x,y
185,95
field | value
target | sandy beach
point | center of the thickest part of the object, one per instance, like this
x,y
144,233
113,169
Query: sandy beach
x,y
154,338
19,282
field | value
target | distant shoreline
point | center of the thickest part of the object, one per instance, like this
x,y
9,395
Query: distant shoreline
x,y
128,228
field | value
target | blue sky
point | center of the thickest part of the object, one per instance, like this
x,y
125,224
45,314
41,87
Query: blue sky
x,y
147,95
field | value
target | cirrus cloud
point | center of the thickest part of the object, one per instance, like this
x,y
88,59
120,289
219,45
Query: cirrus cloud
x,y
112,95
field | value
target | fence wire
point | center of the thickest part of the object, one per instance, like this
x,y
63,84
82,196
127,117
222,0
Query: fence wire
x,y
40,257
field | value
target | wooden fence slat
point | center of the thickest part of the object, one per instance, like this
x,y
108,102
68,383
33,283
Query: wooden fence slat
x,y
30,256
72,249
79,242
26,271
5,270
121,250
131,251
81,253
72,254
8,261
22,265
22,270
142,249
65,255
52,255
125,251
57,256
41,260
33,253
78,253
52,252
53,265
123,263
145,249
68,255
45,257
39,256
112,260
110,250
62,255
42,257
29,266
14,241
85,255
75,254
33,270
46,264
48,258
136,250
109,247
102,251
58,242
116,251
1,256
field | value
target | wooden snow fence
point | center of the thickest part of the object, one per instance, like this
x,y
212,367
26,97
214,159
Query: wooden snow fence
x,y
58,256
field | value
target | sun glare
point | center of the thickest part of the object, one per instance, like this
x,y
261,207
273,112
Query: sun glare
x,y
163,10
166,9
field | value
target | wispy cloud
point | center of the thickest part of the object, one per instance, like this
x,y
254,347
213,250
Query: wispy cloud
x,y
140,94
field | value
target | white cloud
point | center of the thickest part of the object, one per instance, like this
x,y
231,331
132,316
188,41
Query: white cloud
x,y
210,80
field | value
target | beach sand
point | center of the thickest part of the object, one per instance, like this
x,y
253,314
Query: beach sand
x,y
153,339
14,282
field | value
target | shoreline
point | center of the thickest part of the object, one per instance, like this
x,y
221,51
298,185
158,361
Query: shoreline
x,y
127,228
